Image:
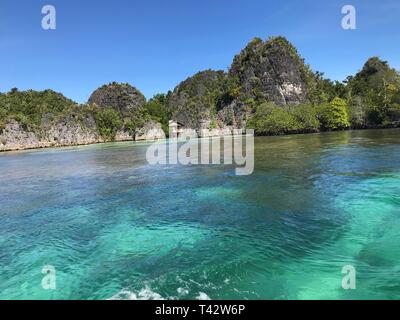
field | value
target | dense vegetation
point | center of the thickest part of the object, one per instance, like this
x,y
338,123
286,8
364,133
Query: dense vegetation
x,y
370,99
273,120
108,123
157,110
263,65
268,88
245,96
374,95
33,109
120,106
198,97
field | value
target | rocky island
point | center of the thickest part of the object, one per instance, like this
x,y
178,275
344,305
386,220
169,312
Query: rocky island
x,y
268,88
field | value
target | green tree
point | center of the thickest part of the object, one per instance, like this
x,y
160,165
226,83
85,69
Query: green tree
x,y
394,112
307,118
31,107
3,117
334,115
273,120
3,113
157,110
108,123
357,112
373,93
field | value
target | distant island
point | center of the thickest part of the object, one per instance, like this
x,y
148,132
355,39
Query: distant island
x,y
268,88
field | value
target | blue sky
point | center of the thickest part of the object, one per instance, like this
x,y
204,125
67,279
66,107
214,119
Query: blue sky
x,y
155,44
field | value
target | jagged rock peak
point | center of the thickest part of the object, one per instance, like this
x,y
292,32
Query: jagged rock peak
x,y
200,83
191,101
274,69
123,97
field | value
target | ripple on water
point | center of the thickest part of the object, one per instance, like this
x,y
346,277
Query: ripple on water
x,y
115,227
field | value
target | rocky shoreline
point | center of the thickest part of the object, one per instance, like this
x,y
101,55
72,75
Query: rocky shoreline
x,y
14,137
82,139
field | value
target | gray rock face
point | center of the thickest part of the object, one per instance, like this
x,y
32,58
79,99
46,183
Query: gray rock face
x,y
273,69
124,98
151,131
190,101
218,132
69,131
14,137
66,132
270,70
124,135
233,114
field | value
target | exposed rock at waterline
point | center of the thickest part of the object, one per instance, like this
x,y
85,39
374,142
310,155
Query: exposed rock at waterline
x,y
150,131
64,133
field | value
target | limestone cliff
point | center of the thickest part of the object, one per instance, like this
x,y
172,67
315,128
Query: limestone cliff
x,y
38,119
210,102
129,103
269,70
122,97
193,100
272,69
14,136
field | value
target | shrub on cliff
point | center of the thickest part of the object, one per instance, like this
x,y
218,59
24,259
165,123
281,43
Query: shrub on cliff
x,y
3,117
197,98
157,110
3,112
31,107
108,122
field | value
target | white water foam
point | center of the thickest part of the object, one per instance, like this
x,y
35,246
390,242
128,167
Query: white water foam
x,y
203,296
144,294
182,291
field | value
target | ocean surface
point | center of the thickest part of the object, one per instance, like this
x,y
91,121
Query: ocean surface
x,y
115,227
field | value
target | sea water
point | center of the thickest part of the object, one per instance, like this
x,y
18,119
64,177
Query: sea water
x,y
115,227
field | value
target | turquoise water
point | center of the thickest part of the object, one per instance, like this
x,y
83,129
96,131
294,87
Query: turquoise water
x,y
115,227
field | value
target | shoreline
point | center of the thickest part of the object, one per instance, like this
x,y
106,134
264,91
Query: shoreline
x,y
150,141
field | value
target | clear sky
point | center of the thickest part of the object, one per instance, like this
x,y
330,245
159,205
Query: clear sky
x,y
155,44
